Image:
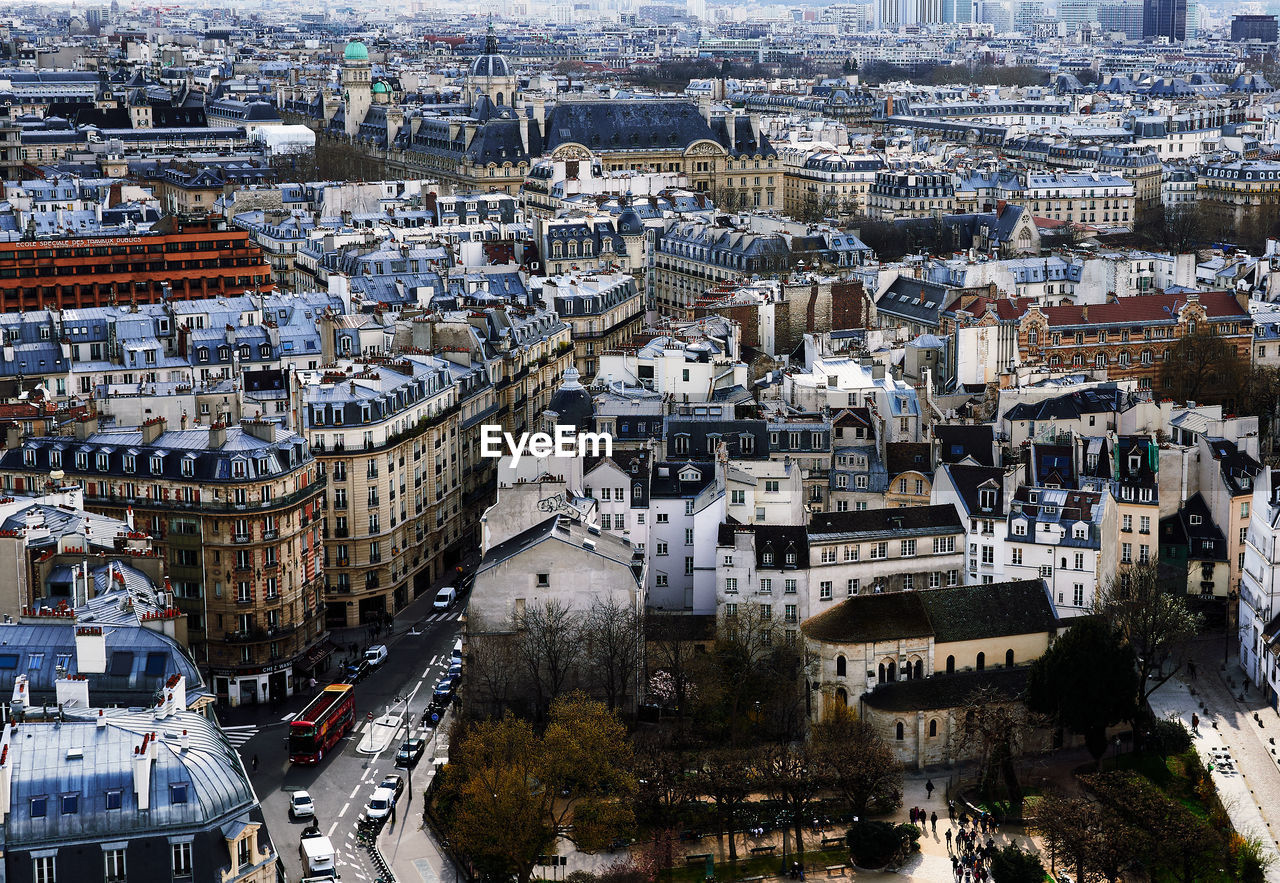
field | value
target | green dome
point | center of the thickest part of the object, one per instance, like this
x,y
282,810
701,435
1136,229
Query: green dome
x,y
356,51
380,88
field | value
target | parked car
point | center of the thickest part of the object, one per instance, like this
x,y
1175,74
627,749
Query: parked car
x,y
444,690
375,655
410,753
301,805
445,598
393,783
455,670
381,803
457,651
356,671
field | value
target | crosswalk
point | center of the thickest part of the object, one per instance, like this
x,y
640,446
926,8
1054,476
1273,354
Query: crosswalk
x,y
238,736
441,617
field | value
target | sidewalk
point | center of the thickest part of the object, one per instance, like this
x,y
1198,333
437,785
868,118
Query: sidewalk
x,y
408,847
1251,795
379,733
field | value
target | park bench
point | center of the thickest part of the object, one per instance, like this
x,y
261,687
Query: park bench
x,y
699,859
836,870
833,841
764,850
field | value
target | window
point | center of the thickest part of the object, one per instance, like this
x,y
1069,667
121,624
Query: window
x,y
114,859
70,804
789,587
841,666
851,588
908,548
1244,509
981,662
901,731
942,545
1046,571
731,610
660,580
988,554
791,614
736,498
766,587
879,550
242,851
731,586
114,798
770,487
42,869
824,591
1126,523
688,564
660,549
1077,594
953,577
39,807
1126,553
1015,556
1079,561
181,854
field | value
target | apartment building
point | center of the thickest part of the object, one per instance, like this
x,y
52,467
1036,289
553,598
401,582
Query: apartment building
x,y
604,312
237,512
899,194
385,432
1096,199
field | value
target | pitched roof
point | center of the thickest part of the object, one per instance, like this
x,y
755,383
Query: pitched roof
x,y
866,618
928,694
896,521
1143,309
969,613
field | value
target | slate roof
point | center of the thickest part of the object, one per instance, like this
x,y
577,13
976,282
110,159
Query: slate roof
x,y
936,693
957,441
890,522
970,613
863,619
1145,309
903,457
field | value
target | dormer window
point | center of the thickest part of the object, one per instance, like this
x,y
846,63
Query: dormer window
x,y
767,559
188,467
987,499
791,558
157,465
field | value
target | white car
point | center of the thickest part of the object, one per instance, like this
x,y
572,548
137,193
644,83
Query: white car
x,y
380,803
445,598
375,655
301,805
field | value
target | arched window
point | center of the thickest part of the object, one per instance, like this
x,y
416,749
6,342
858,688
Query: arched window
x,y
840,666
902,731
951,665
573,248
982,661
1008,658
919,669
933,727
842,696
893,671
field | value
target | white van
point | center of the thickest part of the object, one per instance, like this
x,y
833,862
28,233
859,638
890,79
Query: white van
x,y
376,655
457,650
445,598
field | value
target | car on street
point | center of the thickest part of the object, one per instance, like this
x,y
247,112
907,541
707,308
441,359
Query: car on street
x,y
410,752
381,803
455,670
445,598
444,690
355,672
375,655
301,805
393,783
456,656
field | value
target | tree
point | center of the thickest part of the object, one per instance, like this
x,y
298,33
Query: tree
x,y
1154,622
996,726
1203,367
1015,865
793,776
663,782
1176,229
671,658
857,764
1086,681
550,647
493,669
613,647
729,776
1089,836
508,791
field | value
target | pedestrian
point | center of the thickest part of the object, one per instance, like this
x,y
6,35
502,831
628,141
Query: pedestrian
x,y
1195,723
393,815
928,788
254,763
913,815
933,820
1191,669
948,836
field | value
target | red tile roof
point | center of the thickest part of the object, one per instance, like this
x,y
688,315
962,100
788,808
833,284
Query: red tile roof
x,y
1144,308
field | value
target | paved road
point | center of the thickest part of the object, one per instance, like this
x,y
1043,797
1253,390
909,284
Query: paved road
x,y
341,784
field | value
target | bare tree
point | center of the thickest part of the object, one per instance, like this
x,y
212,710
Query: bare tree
x,y
794,776
670,652
612,639
858,764
550,649
1154,621
996,727
493,668
729,776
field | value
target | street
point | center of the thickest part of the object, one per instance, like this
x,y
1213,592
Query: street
x,y
341,784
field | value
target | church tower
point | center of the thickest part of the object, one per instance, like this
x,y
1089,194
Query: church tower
x,y
357,85
491,75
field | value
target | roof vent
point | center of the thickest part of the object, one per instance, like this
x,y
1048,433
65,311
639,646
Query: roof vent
x,y
75,754
589,545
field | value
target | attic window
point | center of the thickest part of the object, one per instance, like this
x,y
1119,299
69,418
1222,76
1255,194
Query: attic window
x,y
1195,519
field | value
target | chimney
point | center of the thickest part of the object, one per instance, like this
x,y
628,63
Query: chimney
x,y
5,781
186,741
91,650
1084,312
142,772
263,430
177,690
152,429
72,692
102,720
21,698
217,435
86,426
731,125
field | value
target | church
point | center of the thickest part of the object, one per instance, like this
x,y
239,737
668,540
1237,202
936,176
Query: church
x,y
489,139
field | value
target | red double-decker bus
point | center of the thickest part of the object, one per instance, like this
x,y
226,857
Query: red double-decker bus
x,y
320,725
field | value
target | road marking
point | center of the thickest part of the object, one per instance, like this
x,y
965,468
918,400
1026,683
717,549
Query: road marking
x,y
290,716
352,795
239,735
342,812
333,828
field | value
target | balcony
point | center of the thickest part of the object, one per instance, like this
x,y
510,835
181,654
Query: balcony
x,y
241,538
275,534
243,567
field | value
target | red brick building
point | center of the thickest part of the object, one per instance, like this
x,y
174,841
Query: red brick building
x,y
195,260
1129,337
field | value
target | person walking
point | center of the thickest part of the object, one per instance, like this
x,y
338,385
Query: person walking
x,y
928,788
933,820
1195,723
948,836
254,763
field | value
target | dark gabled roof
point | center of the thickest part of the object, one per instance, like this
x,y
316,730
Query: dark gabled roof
x,y
1070,405
903,457
870,521
957,441
863,619
1177,531
950,691
969,613
967,480
774,540
670,485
